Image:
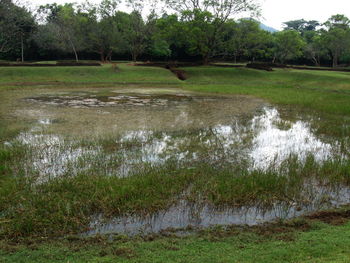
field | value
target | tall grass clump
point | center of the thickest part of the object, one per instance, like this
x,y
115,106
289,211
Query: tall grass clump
x,y
65,204
293,181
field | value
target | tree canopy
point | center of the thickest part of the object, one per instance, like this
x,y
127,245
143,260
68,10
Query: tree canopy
x,y
183,30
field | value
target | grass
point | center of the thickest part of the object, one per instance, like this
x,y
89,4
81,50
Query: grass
x,y
61,207
31,76
295,241
64,205
323,91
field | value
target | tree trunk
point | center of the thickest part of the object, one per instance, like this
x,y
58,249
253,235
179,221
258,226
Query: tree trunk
x,y
206,59
74,50
102,56
134,56
315,59
109,56
22,49
335,60
318,59
76,55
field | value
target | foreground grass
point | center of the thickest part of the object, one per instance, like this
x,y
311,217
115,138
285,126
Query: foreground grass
x,y
297,241
64,205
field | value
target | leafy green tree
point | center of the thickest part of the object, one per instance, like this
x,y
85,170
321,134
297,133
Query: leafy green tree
x,y
288,45
245,38
301,25
16,27
314,48
336,38
139,33
104,34
205,20
136,34
68,24
200,27
167,30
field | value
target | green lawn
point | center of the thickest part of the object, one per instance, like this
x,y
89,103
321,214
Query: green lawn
x,y
320,90
85,75
322,243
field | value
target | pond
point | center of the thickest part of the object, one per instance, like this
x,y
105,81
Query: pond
x,y
122,132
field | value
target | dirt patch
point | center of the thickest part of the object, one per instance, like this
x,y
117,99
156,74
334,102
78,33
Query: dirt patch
x,y
173,67
260,66
335,218
180,74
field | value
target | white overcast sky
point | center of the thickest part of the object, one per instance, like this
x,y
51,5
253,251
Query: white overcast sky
x,y
275,12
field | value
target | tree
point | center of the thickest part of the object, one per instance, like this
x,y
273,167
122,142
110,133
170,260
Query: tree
x,y
205,20
139,33
16,26
68,24
136,34
167,30
314,48
301,25
104,34
288,45
246,38
336,38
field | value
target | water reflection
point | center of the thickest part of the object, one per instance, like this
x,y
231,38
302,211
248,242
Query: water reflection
x,y
185,215
120,134
259,141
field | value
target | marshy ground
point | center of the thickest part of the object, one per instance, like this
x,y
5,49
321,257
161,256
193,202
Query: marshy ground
x,y
89,151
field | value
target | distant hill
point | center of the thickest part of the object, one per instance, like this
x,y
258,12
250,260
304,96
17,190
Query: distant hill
x,y
262,26
267,28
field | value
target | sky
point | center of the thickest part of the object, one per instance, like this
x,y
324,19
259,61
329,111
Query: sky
x,y
275,12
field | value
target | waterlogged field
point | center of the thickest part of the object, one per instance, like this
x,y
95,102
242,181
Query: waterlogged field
x,y
136,159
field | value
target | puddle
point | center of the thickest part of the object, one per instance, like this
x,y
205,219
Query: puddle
x,y
152,128
120,132
184,215
52,156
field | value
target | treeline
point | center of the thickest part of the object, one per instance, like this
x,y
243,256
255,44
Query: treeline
x,y
186,30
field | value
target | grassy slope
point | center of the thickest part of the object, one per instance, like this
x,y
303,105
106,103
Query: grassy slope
x,y
324,91
85,75
319,90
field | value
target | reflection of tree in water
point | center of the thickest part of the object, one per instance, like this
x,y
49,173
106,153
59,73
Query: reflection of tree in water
x,y
214,145
246,142
243,142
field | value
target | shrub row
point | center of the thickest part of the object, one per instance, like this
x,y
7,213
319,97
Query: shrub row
x,y
58,64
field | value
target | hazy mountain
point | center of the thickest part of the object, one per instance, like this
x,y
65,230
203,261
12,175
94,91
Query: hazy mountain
x,y
267,28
